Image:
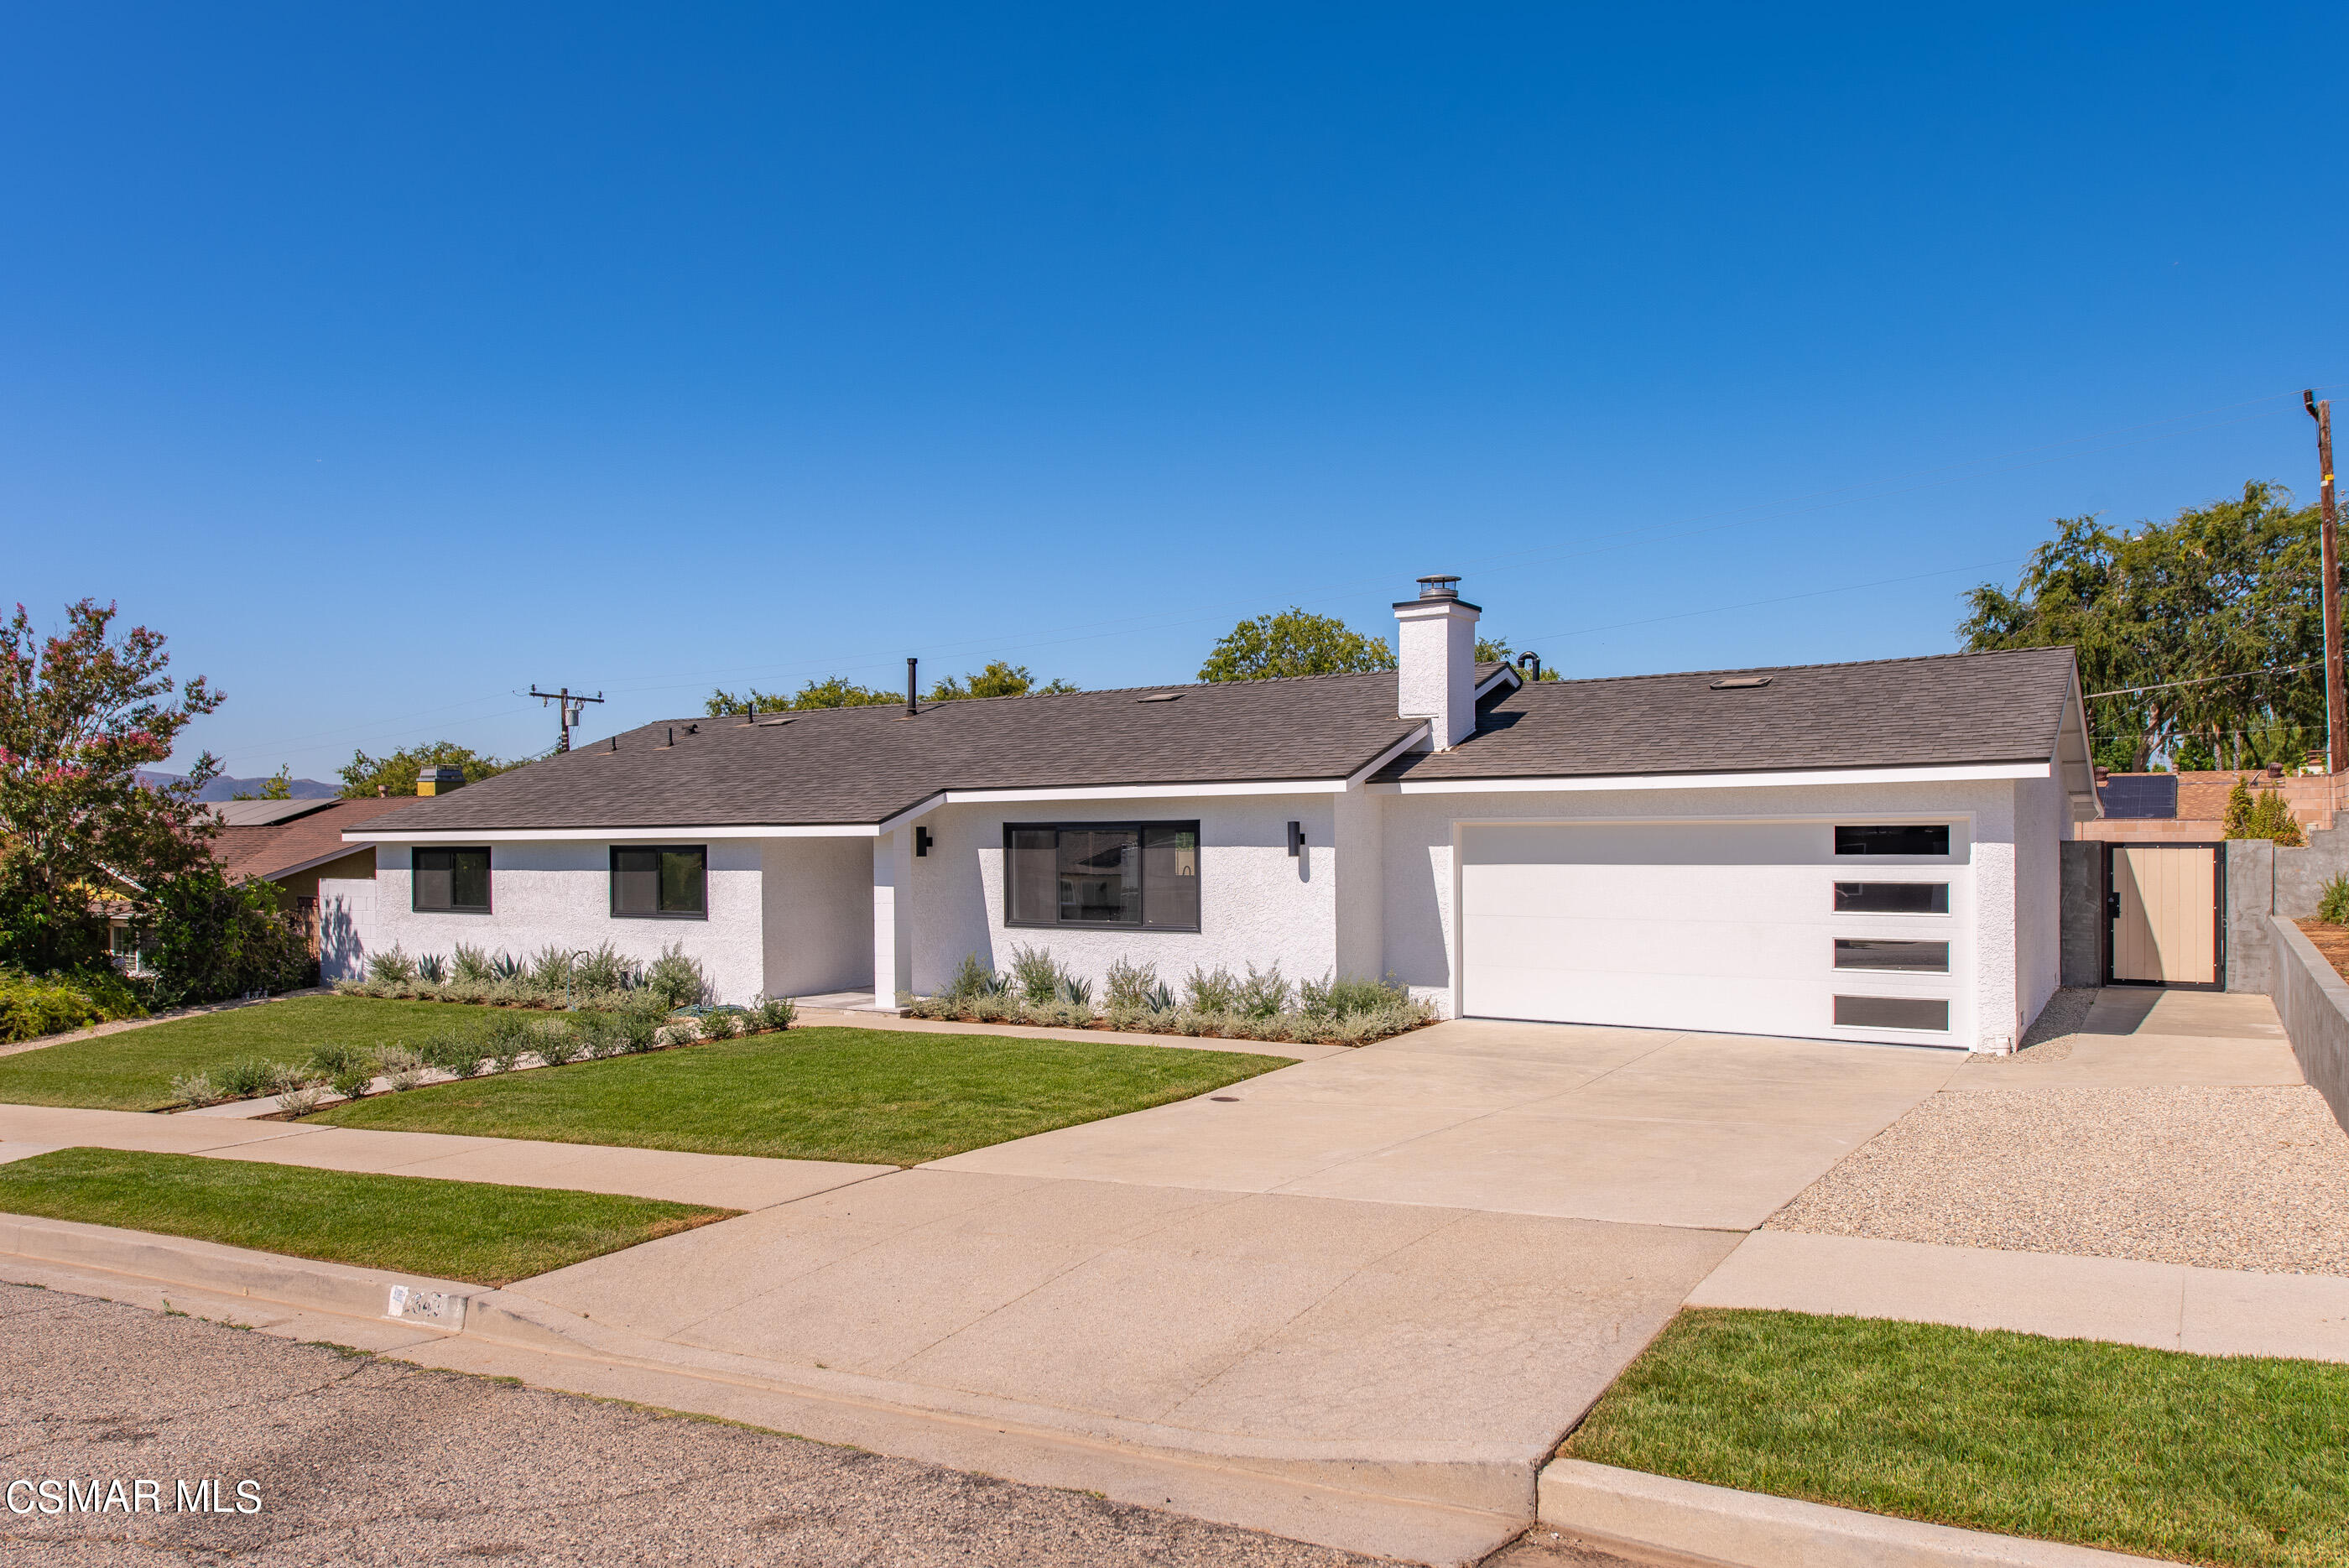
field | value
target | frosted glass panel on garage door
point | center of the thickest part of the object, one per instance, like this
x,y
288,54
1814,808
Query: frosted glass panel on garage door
x,y
1726,927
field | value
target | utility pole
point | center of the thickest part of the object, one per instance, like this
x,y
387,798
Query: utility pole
x,y
2336,720
569,709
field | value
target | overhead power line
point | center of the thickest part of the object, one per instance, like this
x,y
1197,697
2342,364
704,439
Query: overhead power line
x,y
2202,680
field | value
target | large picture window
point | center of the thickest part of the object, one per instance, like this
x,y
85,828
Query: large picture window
x,y
1139,874
450,881
663,884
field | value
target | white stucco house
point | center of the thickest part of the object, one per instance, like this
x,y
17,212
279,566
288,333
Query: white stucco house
x,y
1863,851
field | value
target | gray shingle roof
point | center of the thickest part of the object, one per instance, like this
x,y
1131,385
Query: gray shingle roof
x,y
858,765
854,765
1945,709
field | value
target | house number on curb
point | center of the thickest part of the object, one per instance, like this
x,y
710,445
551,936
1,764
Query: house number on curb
x,y
438,1308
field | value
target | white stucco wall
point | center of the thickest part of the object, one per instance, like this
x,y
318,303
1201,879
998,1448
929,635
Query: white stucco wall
x,y
346,926
1360,823
2043,820
558,894
1257,904
1419,873
818,915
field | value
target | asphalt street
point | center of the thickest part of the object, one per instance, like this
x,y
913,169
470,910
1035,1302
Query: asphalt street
x,y
362,1460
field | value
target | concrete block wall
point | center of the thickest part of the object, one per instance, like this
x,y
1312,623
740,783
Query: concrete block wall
x,y
2312,1001
2263,880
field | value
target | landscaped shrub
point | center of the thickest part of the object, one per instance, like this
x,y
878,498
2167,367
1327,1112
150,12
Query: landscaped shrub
x,y
432,969
508,1038
195,1089
1263,994
1211,990
210,937
1077,992
403,1069
33,1005
1129,984
638,1032
674,979
471,966
2332,904
246,1078
1263,1006
549,968
392,967
973,979
458,1055
505,966
1035,975
557,1044
718,1025
775,1012
301,1099
603,970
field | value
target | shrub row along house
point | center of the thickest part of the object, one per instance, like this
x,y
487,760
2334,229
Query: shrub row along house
x,y
1860,851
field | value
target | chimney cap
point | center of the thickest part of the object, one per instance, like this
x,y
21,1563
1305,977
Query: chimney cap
x,y
1439,586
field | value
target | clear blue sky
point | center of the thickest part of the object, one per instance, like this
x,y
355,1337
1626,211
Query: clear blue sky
x,y
394,358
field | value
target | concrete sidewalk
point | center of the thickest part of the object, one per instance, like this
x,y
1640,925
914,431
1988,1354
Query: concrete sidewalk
x,y
718,1181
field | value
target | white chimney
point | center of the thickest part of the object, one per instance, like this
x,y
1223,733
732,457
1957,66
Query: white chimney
x,y
1435,677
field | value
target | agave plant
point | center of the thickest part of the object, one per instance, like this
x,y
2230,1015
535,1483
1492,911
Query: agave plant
x,y
505,966
432,969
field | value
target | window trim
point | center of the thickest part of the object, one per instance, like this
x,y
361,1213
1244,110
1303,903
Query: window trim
x,y
614,887
489,872
1143,927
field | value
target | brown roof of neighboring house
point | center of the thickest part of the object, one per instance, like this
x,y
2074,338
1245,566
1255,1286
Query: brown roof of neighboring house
x,y
859,765
282,848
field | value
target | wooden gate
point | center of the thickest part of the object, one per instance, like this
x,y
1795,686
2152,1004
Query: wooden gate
x,y
2165,902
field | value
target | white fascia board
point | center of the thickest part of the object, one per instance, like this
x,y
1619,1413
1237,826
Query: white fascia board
x,y
1720,781
1416,740
620,835
1142,792
1507,672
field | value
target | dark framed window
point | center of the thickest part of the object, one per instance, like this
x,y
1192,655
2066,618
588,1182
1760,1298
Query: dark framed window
x,y
1892,898
1894,838
1892,1012
1884,952
450,881
667,883
1142,876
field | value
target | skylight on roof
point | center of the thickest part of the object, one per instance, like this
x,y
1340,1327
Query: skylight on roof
x,y
1739,682
1161,697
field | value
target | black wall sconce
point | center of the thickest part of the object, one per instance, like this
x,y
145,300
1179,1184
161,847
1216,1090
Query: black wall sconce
x,y
1296,839
922,842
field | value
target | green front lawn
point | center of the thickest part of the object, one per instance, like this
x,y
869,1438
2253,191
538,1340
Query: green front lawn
x,y
132,1071
2199,1458
470,1231
880,1097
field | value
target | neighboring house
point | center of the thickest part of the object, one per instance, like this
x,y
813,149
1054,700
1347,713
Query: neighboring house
x,y
2191,806
1858,851
294,844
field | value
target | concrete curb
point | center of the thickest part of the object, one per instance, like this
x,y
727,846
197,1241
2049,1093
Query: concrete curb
x,y
1709,1524
1451,1502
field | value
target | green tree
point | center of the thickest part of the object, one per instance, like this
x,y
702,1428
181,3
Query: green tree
x,y
215,939
80,712
1497,650
1294,642
832,691
2203,622
278,786
997,679
396,774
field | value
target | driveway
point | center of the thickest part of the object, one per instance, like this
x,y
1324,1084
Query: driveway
x,y
1407,1269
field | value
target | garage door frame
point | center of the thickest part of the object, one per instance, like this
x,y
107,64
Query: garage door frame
x,y
1965,970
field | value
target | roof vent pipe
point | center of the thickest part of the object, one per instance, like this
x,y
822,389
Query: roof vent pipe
x,y
911,665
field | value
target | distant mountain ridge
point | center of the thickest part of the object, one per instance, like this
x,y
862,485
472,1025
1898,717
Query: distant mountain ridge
x,y
225,788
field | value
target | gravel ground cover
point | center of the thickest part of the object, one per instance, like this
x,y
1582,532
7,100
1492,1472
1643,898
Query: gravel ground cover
x,y
2253,1178
362,1460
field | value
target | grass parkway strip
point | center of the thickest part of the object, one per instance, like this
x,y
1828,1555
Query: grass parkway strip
x,y
866,1095
2239,1461
132,1071
474,1231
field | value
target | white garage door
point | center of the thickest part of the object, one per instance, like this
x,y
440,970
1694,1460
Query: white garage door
x,y
1808,928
